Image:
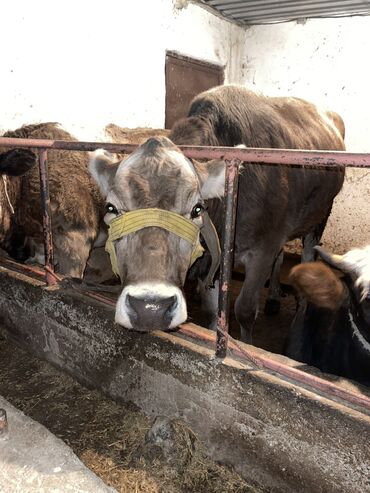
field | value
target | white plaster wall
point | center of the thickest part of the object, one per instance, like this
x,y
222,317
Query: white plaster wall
x,y
87,64
324,61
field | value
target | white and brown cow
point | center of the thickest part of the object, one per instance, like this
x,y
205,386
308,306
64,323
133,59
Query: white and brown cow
x,y
276,203
331,329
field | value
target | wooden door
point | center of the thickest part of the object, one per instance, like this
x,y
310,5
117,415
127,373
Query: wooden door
x,y
185,78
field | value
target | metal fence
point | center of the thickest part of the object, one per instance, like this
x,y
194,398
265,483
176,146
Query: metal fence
x,y
233,157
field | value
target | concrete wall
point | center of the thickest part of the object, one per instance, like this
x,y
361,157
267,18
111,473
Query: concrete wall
x,y
279,435
322,60
87,65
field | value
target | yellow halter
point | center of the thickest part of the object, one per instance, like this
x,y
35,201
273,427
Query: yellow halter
x,y
130,222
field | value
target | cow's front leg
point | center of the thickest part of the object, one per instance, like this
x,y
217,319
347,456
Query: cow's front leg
x,y
311,240
258,266
272,305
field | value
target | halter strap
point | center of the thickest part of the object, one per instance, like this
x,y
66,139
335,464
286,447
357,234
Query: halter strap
x,y
133,221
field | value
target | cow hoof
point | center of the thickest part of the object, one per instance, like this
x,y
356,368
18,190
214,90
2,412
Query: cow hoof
x,y
272,307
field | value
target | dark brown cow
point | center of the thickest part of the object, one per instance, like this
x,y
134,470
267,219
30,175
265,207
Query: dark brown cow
x,y
276,204
76,205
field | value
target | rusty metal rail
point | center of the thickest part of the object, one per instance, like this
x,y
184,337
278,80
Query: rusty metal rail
x,y
287,157
46,217
230,204
233,156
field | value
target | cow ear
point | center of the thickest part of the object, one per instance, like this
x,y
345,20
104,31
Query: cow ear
x,y
212,178
17,162
103,167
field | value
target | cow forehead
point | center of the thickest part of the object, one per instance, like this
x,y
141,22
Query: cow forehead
x,y
147,160
157,175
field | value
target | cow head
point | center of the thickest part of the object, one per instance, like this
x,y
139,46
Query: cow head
x,y
155,212
319,285
355,264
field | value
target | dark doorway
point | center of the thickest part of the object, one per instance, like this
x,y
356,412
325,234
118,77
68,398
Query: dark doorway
x,y
185,78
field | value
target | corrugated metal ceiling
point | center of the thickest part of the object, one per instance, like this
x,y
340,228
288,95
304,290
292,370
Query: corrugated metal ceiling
x,y
269,11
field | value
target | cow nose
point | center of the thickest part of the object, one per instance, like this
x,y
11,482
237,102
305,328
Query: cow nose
x,y
150,313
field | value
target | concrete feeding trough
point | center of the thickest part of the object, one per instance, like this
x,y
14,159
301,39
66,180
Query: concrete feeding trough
x,y
282,428
281,435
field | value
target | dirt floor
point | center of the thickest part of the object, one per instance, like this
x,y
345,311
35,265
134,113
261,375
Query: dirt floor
x,y
117,442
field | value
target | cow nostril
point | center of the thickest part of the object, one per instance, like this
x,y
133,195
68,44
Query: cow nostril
x,y
150,305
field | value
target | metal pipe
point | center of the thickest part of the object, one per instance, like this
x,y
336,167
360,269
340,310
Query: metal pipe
x,y
230,203
289,157
261,361
46,219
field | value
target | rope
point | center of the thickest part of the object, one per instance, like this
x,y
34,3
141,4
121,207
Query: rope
x,y
5,181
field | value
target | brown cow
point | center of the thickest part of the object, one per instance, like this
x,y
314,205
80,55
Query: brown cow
x,y
269,207
124,135
275,205
76,205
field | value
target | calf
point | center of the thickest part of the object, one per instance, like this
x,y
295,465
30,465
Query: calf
x,y
75,203
331,329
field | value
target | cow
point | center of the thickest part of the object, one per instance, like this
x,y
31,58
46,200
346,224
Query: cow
x,y
76,203
275,205
155,209
331,329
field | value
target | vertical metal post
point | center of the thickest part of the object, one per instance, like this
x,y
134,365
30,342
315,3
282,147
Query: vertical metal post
x,y
230,203
46,221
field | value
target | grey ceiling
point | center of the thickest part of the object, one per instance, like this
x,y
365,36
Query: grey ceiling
x,y
269,11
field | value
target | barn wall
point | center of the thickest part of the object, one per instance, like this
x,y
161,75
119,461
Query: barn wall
x,y
87,65
321,60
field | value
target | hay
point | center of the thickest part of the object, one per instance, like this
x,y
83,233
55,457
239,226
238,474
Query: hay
x,y
110,438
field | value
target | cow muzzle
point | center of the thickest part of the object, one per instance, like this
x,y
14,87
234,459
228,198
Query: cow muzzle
x,y
147,307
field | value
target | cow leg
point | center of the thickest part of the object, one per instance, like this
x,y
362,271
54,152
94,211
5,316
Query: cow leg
x,y
272,305
258,266
298,339
73,249
311,240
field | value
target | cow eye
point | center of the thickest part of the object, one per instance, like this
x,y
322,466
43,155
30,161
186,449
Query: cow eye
x,y
197,211
110,209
